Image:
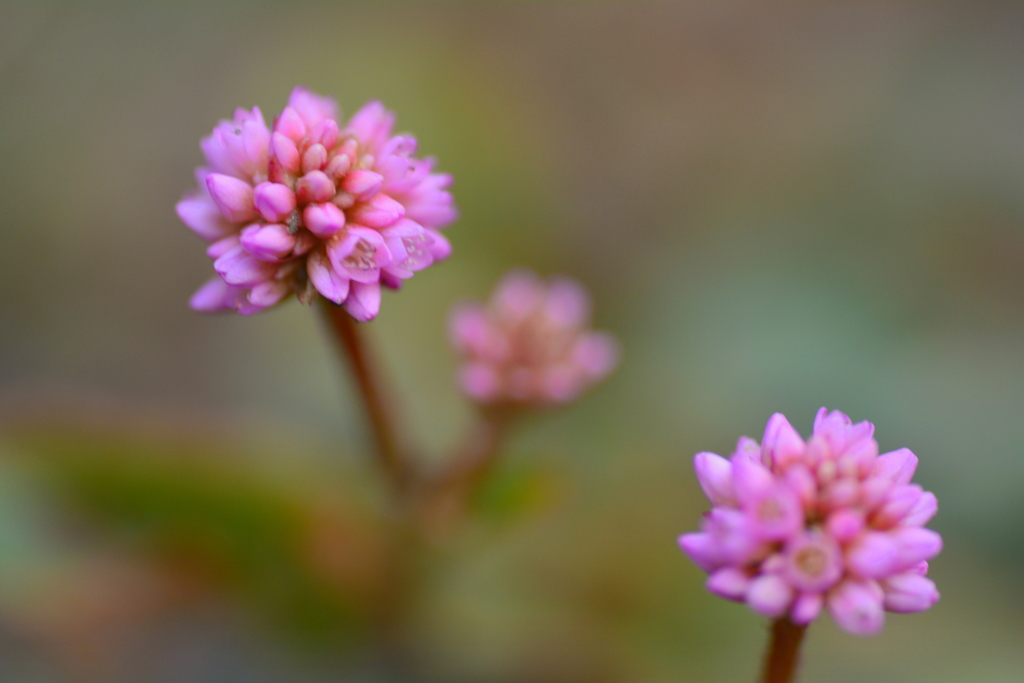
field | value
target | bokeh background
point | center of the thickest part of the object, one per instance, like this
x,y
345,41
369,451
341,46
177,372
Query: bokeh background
x,y
777,206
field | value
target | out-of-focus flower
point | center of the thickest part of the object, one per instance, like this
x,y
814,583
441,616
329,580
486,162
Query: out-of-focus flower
x,y
313,206
797,526
531,343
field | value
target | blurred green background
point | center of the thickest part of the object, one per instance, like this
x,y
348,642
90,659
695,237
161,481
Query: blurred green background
x,y
777,206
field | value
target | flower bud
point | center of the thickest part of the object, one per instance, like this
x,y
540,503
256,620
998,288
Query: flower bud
x,y
232,196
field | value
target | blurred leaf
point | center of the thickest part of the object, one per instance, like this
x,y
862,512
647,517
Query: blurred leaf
x,y
520,491
311,564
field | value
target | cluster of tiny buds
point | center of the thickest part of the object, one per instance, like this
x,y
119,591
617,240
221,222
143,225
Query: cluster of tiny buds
x,y
310,207
531,344
797,526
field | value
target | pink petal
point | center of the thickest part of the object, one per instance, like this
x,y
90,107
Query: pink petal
x,y
900,501
218,156
703,550
857,608
733,534
774,515
256,142
897,466
926,507
285,152
410,247
312,108
845,525
479,381
221,247
380,212
769,595
560,383
233,197
470,329
518,295
747,449
314,158
359,252
874,556
315,186
268,242
200,214
730,583
332,285
812,562
781,444
291,125
751,480
362,184
802,482
429,204
839,431
237,267
915,544
274,201
215,296
338,166
389,280
596,354
267,294
715,476
439,247
864,453
806,608
921,568
363,302
325,133
323,220
909,592
841,493
566,303
372,124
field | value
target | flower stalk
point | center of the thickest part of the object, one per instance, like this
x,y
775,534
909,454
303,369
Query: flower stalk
x,y
783,655
393,461
449,495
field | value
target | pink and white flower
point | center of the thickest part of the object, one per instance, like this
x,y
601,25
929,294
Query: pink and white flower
x,y
827,523
314,206
531,343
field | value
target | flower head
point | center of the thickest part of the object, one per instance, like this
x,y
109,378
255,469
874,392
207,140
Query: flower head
x,y
797,526
314,205
531,343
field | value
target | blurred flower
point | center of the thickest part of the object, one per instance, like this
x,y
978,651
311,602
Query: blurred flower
x,y
312,207
531,343
797,526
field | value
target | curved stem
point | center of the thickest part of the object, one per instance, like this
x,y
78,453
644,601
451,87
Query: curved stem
x,y
783,656
448,496
382,422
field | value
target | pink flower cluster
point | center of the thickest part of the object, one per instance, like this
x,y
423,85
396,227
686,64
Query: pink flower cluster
x,y
531,344
828,522
314,205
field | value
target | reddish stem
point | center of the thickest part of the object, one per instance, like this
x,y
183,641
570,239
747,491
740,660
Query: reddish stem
x,y
783,656
452,490
392,460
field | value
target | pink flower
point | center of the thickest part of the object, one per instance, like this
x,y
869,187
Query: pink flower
x,y
797,526
531,343
314,206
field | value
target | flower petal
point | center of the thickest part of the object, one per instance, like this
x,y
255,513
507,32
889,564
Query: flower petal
x,y
333,285
233,197
201,214
363,302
